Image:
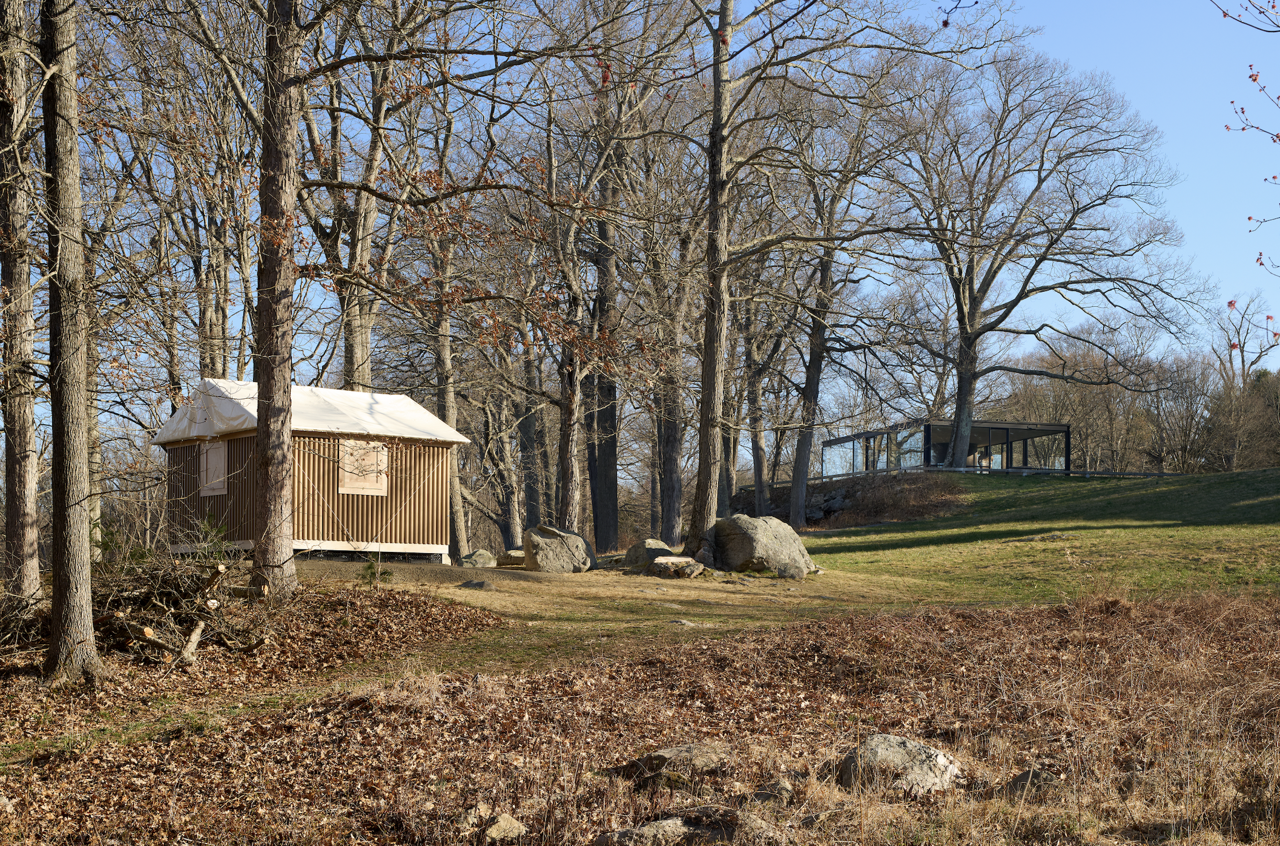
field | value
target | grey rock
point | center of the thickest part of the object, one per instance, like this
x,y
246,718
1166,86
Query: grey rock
x,y
779,791
472,817
480,559
697,826
912,767
640,555
504,827
668,832
478,584
813,515
673,567
761,543
511,558
694,757
1029,784
549,550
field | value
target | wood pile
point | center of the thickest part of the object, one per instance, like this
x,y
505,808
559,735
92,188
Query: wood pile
x,y
164,611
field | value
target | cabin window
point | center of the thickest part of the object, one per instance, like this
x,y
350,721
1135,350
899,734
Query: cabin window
x,y
362,468
213,468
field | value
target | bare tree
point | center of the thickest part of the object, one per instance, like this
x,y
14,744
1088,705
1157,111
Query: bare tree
x,y
72,652
277,268
1026,180
21,570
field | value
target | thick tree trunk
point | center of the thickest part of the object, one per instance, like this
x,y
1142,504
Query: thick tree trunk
x,y
604,488
273,348
755,420
21,570
655,503
72,651
716,313
966,388
728,471
606,431
670,438
358,310
530,464
593,468
809,393
569,478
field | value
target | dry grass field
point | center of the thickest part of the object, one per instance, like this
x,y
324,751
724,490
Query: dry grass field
x,y
1123,636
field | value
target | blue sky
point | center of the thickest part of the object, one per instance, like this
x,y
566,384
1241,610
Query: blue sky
x,y
1181,64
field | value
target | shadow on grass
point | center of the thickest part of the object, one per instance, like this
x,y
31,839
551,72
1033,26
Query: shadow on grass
x,y
1247,497
904,539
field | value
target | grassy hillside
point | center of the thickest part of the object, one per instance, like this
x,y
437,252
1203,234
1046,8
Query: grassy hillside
x,y
1105,535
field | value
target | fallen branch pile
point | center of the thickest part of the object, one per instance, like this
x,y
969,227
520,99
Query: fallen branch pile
x,y
164,610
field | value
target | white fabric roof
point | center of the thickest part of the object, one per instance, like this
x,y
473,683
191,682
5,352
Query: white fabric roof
x,y
221,406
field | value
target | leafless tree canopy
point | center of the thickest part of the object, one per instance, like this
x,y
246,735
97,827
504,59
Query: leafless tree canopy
x,y
626,248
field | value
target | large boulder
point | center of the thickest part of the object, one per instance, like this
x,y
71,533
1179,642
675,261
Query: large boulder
x,y
640,555
761,543
549,550
909,766
480,559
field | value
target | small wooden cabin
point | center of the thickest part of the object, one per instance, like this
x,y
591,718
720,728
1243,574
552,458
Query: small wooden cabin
x,y
370,471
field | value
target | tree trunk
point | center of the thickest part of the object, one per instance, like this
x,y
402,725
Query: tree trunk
x,y
670,438
21,570
728,471
809,394
530,464
604,500
966,385
569,478
273,565
755,420
655,503
72,651
447,408
606,513
94,435
589,401
716,313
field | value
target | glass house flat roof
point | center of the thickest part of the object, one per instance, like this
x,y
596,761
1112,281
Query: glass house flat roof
x,y
980,434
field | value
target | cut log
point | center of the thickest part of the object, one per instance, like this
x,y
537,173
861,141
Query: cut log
x,y
111,617
212,582
188,654
249,592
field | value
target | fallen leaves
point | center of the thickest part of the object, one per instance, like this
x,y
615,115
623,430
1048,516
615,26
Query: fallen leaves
x,y
402,760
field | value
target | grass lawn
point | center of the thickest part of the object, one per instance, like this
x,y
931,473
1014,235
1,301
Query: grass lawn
x,y
1134,538
1125,536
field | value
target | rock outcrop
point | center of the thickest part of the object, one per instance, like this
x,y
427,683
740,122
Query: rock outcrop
x,y
697,826
760,544
480,559
909,766
673,567
550,550
640,555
